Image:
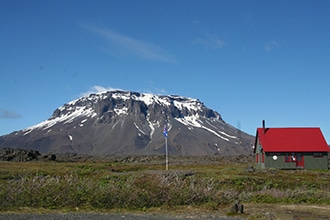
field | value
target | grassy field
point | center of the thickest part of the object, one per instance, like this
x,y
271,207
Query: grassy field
x,y
210,185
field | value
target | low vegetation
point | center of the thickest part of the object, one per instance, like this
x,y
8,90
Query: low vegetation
x,y
205,183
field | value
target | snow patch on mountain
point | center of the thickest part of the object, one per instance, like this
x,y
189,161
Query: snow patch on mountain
x,y
194,121
190,104
69,117
121,111
151,126
190,121
139,129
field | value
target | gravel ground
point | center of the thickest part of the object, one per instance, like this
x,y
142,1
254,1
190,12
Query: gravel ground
x,y
103,216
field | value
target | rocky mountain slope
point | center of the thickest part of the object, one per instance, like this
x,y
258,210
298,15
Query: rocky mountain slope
x,y
131,123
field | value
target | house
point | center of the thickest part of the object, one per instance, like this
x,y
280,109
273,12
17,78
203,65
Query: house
x,y
291,148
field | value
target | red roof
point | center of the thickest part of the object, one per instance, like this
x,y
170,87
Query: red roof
x,y
292,140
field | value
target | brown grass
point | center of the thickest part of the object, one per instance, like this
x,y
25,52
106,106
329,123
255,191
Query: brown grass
x,y
201,184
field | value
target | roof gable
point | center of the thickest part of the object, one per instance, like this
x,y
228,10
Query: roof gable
x,y
292,140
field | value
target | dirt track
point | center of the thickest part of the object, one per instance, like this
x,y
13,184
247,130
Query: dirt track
x,y
252,211
105,216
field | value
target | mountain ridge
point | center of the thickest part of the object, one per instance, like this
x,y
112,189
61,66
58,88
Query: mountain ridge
x,y
131,123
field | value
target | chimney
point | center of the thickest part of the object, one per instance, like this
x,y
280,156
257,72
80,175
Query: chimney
x,y
263,125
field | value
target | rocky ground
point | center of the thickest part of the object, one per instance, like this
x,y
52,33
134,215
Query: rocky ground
x,y
24,155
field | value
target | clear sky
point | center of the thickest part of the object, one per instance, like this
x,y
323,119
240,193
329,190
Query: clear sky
x,y
247,60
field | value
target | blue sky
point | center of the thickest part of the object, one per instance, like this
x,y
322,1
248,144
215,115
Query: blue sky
x,y
248,60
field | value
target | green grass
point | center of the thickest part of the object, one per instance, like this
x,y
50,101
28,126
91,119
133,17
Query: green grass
x,y
141,186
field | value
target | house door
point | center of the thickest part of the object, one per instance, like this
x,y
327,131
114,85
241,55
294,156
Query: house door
x,y
300,161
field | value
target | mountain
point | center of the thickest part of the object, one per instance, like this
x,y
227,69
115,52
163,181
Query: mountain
x,y
131,123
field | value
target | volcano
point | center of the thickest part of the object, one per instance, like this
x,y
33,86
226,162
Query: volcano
x,y
132,123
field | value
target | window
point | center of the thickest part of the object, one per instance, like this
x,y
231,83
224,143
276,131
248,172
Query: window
x,y
318,154
290,158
